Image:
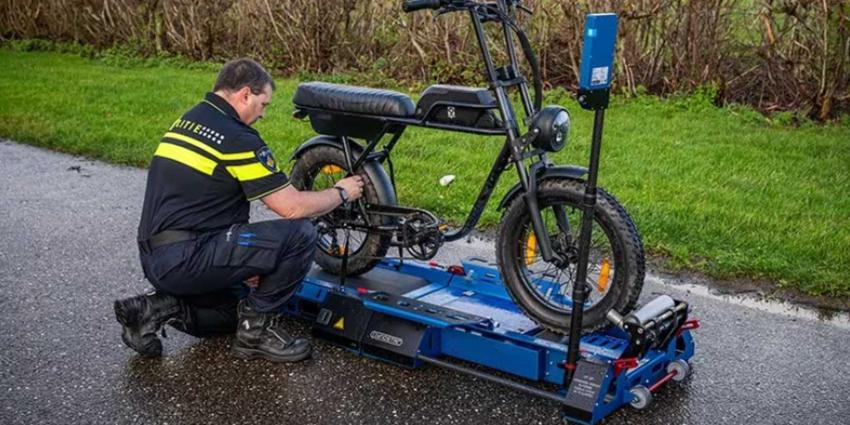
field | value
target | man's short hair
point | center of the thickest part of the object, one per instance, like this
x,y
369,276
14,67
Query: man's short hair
x,y
244,72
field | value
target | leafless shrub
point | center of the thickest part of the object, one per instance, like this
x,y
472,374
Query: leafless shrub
x,y
773,54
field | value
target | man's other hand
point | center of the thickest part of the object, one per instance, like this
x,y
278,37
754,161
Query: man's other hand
x,y
353,186
252,282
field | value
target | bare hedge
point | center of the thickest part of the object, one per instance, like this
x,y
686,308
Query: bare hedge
x,y
772,54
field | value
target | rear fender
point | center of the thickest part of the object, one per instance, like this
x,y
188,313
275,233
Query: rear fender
x,y
373,168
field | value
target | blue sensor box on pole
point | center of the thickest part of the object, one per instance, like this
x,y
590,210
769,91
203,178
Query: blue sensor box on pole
x,y
597,53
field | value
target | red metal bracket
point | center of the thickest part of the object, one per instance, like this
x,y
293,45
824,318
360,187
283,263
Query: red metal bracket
x,y
457,270
624,364
689,325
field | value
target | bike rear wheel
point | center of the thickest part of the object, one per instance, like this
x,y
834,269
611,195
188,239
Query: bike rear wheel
x,y
319,168
543,291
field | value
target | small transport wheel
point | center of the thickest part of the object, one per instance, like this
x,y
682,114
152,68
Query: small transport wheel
x,y
319,168
641,397
682,369
616,265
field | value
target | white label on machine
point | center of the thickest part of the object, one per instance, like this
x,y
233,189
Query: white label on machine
x,y
599,76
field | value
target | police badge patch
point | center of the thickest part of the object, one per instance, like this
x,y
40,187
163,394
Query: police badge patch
x,y
264,155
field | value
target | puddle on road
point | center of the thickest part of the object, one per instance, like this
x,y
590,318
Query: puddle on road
x,y
839,319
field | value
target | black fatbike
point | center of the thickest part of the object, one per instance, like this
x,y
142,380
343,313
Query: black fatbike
x,y
537,244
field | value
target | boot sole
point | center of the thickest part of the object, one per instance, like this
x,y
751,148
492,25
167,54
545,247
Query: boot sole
x,y
249,354
128,321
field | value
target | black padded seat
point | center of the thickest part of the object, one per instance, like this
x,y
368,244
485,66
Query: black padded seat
x,y
361,100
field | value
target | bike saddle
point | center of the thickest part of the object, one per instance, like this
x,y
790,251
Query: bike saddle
x,y
361,100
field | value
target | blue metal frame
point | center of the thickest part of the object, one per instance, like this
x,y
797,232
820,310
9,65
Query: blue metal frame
x,y
500,337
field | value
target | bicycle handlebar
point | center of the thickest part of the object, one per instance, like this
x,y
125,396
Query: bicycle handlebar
x,y
445,6
414,5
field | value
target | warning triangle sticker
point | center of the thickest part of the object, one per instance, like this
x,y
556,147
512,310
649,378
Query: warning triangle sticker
x,y
340,324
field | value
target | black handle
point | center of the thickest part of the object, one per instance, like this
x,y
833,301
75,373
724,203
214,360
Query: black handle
x,y
414,5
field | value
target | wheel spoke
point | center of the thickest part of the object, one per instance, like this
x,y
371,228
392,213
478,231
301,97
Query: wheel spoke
x,y
554,285
325,176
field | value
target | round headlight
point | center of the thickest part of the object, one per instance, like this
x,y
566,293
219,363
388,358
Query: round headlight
x,y
552,124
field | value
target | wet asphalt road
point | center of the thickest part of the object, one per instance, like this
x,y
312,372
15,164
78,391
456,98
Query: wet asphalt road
x,y
67,250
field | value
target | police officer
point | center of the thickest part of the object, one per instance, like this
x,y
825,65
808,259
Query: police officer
x,y
196,245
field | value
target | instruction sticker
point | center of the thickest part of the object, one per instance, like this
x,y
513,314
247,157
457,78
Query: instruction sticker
x,y
599,76
586,385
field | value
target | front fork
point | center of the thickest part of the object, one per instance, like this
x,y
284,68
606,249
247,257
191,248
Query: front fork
x,y
544,242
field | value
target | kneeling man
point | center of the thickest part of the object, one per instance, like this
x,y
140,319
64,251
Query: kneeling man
x,y
196,246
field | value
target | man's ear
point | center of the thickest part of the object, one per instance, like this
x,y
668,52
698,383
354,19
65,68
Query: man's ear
x,y
244,94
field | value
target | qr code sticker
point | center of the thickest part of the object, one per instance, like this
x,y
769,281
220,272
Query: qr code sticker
x,y
599,76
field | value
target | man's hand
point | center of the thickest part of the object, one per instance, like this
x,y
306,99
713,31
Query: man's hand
x,y
353,186
252,282
291,203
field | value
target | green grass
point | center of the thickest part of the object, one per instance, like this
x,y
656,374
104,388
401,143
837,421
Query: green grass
x,y
723,191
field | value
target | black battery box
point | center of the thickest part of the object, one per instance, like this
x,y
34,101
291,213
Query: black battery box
x,y
458,106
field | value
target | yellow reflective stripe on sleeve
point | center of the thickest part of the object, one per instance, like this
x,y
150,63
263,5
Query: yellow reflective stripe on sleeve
x,y
245,173
186,157
206,148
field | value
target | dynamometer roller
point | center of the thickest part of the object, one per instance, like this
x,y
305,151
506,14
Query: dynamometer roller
x,y
557,309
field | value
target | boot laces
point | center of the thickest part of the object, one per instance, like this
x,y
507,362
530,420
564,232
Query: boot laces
x,y
276,329
167,322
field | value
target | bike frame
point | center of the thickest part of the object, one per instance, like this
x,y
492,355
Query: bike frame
x,y
514,149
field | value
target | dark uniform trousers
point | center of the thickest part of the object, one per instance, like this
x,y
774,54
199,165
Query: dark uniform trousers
x,y
207,273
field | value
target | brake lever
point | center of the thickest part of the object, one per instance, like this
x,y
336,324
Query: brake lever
x,y
486,14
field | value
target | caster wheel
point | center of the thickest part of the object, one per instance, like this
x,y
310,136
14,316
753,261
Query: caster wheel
x,y
641,397
682,369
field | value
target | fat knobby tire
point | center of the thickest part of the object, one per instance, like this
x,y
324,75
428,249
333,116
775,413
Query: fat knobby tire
x,y
375,246
618,226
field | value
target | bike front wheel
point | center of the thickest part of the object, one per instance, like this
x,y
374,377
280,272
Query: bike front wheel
x,y
616,265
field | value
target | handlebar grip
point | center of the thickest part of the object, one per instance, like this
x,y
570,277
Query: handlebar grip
x,y
414,5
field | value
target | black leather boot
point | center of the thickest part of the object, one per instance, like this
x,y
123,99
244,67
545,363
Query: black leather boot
x,y
261,335
143,316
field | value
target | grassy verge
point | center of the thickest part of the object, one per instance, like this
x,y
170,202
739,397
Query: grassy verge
x,y
723,191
